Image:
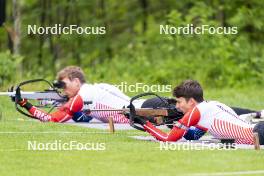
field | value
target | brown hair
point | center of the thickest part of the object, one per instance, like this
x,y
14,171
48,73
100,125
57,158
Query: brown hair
x,y
189,89
71,72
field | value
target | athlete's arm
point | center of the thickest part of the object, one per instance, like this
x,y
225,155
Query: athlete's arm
x,y
63,113
191,118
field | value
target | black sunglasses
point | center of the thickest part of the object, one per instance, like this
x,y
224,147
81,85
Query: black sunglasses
x,y
59,84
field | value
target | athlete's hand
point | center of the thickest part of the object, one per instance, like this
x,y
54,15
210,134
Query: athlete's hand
x,y
18,99
140,120
11,89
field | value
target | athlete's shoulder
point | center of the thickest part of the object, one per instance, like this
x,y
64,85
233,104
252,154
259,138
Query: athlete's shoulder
x,y
203,105
213,107
209,104
220,105
102,85
86,88
106,87
74,104
96,87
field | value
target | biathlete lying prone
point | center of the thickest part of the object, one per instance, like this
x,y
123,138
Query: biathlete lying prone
x,y
102,96
214,117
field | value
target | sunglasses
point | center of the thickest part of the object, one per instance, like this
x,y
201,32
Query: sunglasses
x,y
59,84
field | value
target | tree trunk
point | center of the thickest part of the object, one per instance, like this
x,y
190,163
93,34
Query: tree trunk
x,y
42,23
79,40
17,34
144,6
2,12
17,23
108,49
50,36
220,16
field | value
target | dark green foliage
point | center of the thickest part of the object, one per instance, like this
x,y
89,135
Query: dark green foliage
x,y
133,50
9,65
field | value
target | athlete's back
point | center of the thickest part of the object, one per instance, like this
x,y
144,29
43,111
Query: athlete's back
x,y
106,96
221,121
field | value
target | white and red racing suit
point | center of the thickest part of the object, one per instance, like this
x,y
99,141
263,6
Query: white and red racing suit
x,y
102,96
214,117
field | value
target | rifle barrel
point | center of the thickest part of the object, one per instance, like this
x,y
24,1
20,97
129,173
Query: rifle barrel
x,y
45,95
7,93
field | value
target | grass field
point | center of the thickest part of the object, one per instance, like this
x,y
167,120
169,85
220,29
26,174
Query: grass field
x,y
123,155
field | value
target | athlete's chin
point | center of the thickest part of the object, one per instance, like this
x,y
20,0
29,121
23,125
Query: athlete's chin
x,y
183,110
70,95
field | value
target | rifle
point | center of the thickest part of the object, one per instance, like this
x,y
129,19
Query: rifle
x,y
158,116
164,115
47,98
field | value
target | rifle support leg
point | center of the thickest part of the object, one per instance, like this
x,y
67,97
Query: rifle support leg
x,y
111,124
256,141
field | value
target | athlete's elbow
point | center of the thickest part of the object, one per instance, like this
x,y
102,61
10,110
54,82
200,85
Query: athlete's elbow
x,y
55,120
168,139
172,139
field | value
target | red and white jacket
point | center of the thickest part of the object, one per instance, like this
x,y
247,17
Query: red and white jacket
x,y
214,117
103,96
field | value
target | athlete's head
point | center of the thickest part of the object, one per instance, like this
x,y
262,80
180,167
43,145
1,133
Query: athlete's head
x,y
188,94
73,77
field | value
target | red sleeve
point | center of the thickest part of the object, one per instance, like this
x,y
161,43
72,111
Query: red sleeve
x,y
63,113
191,118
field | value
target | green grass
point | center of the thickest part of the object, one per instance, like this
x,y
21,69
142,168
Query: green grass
x,y
123,155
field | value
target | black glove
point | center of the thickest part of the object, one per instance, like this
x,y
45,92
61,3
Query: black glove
x,y
175,113
22,102
18,99
140,120
11,89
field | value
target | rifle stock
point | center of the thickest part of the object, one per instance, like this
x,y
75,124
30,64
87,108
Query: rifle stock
x,y
151,112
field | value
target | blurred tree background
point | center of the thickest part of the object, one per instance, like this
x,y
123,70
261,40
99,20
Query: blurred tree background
x,y
132,49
